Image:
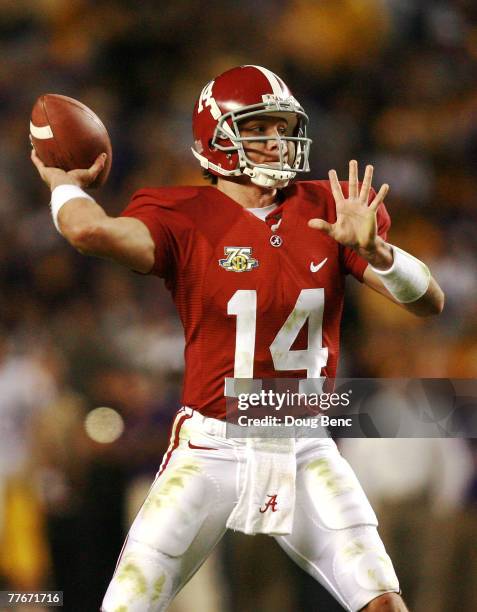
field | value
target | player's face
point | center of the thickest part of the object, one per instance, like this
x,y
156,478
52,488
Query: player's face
x,y
268,151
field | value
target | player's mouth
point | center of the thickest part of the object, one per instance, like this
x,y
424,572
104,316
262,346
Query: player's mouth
x,y
275,161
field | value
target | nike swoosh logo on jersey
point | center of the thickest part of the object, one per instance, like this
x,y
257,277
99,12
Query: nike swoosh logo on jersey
x,y
194,446
315,268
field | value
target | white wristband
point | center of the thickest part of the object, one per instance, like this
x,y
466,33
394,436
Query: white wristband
x,y
407,279
62,194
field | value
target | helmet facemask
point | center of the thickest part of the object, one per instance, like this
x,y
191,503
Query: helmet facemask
x,y
293,147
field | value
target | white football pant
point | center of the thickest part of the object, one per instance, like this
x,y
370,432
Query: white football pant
x,y
334,535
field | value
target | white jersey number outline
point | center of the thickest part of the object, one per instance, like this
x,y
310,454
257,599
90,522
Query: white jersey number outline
x,y
309,306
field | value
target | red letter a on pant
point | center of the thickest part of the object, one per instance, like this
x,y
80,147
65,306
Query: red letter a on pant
x,y
271,503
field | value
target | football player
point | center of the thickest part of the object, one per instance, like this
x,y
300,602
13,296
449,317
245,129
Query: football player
x,y
256,264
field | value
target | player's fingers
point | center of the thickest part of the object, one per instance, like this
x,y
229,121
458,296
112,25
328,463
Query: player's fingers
x,y
353,179
36,160
98,165
382,193
100,160
366,186
321,224
335,186
39,165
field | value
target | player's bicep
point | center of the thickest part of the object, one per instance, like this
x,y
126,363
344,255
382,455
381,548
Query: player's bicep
x,y
127,241
168,230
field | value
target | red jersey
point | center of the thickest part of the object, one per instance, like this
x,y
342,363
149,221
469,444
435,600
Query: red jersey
x,y
256,300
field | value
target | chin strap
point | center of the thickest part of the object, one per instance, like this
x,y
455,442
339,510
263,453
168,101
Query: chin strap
x,y
263,177
269,178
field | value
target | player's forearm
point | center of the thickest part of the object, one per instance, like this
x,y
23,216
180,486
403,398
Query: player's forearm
x,y
431,303
79,221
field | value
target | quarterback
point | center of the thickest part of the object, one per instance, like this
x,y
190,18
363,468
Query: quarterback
x,y
256,264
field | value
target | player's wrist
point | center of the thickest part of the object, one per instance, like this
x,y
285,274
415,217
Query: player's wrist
x,y
379,255
63,179
61,195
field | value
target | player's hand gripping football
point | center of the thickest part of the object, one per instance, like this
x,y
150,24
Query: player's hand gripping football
x,y
355,225
55,176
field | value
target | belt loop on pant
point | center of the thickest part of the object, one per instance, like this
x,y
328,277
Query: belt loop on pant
x,y
212,426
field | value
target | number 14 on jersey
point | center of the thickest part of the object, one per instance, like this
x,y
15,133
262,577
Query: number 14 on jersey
x,y
309,307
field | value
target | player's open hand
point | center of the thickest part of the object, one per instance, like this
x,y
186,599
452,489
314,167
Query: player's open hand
x,y
55,176
355,225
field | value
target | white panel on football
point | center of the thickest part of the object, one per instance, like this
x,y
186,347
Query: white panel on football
x,y
42,133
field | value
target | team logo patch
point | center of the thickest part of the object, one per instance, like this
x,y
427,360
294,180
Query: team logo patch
x,y
238,259
271,504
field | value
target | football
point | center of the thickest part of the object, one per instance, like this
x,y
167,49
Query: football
x,y
67,134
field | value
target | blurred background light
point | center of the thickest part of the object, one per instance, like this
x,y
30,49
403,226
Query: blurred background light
x,y
104,425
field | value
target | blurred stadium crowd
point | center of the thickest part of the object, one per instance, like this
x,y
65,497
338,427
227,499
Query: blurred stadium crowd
x,y
388,82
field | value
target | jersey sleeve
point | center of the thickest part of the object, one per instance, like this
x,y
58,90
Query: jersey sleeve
x,y
352,262
162,223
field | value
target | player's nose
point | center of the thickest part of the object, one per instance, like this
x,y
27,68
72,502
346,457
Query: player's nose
x,y
274,145
273,139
